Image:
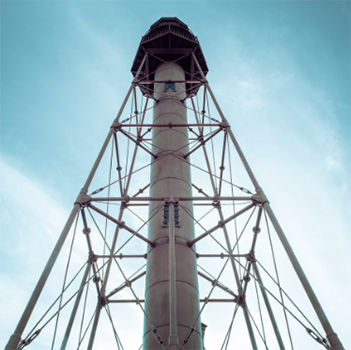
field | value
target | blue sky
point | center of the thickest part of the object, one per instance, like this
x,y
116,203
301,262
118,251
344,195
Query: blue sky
x,y
279,69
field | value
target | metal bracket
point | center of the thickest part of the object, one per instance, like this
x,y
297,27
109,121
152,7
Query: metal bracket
x,y
322,341
102,302
116,125
158,337
83,199
241,301
251,256
216,205
246,278
256,229
169,200
224,125
92,258
86,231
122,224
29,340
128,283
96,280
124,205
260,197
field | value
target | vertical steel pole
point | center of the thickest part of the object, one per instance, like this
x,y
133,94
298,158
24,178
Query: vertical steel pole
x,y
94,328
113,247
173,334
103,287
75,308
269,308
240,290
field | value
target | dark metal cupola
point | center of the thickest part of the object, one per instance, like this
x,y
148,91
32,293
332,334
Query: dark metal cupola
x,y
169,40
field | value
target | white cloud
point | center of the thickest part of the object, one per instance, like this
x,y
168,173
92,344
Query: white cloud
x,y
30,222
27,201
253,89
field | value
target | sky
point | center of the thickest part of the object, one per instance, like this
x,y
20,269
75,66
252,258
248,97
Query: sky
x,y
280,71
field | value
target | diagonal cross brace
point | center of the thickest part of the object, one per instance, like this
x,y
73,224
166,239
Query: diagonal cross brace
x,y
137,142
126,284
202,142
219,285
221,224
122,225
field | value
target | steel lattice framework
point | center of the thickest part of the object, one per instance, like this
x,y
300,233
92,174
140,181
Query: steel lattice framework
x,y
236,232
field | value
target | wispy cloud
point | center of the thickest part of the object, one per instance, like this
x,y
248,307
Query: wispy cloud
x,y
31,219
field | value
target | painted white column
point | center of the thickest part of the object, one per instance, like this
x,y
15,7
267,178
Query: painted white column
x,y
171,178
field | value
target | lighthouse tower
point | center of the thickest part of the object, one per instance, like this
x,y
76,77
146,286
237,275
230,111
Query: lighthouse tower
x,y
172,222
172,292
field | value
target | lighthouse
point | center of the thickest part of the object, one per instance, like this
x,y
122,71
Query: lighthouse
x,y
171,290
170,72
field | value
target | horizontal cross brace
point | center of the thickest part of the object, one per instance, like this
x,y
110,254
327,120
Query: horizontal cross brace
x,y
144,256
168,81
222,255
171,51
122,256
205,300
169,125
234,300
155,199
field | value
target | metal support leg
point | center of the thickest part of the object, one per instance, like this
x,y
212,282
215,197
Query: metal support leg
x,y
173,340
116,121
75,308
331,336
249,327
16,337
230,132
268,306
94,328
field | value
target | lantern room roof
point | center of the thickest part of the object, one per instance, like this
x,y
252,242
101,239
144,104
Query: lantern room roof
x,y
169,39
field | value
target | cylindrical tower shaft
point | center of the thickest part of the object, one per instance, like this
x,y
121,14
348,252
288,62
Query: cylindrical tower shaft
x,y
170,178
